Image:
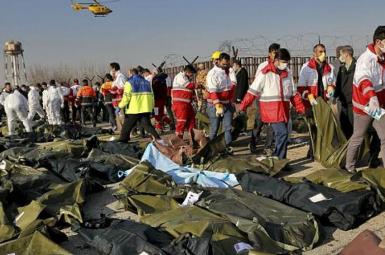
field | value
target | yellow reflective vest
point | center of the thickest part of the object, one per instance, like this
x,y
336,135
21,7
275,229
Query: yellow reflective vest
x,y
137,96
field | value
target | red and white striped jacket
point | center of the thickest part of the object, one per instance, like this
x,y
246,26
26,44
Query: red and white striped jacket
x,y
308,79
275,91
368,80
182,89
220,86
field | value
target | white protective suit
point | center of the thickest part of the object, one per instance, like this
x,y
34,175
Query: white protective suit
x,y
16,107
52,102
34,104
3,96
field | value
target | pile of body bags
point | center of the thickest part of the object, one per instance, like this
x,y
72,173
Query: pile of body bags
x,y
190,198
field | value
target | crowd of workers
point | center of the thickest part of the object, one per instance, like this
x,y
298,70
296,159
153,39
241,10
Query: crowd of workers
x,y
357,85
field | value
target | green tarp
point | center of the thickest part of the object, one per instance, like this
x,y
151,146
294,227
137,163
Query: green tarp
x,y
329,142
35,244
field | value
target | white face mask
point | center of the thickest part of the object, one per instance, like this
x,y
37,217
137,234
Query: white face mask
x,y
282,66
383,46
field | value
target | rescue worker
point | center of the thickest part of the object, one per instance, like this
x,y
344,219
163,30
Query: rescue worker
x,y
65,92
53,101
344,87
221,89
137,104
117,90
258,125
275,88
4,93
316,79
16,107
98,105
72,97
108,97
242,81
169,104
182,95
368,97
159,88
215,57
86,98
146,74
34,103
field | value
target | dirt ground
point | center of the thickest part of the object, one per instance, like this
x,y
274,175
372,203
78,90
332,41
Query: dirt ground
x,y
333,240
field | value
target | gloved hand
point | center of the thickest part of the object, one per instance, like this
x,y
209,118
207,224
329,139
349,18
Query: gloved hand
x,y
330,91
219,110
117,110
374,106
62,106
312,99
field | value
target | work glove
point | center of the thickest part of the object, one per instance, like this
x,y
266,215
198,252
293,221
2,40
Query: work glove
x,y
219,110
330,92
117,110
312,100
374,106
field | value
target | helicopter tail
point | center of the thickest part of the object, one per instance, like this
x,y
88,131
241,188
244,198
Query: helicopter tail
x,y
78,6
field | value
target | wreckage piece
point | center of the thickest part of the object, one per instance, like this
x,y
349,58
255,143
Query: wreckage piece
x,y
337,179
366,243
179,151
37,243
271,226
343,210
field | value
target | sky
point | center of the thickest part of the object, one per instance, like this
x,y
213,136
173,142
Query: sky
x,y
145,31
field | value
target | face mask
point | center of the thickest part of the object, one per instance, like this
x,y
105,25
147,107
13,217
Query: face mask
x,y
342,59
282,66
225,67
383,47
322,57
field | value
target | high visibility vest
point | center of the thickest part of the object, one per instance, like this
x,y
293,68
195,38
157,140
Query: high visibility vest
x,y
137,96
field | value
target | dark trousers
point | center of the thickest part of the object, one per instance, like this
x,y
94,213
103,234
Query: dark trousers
x,y
281,136
90,111
346,120
255,134
75,112
130,121
66,112
170,113
111,114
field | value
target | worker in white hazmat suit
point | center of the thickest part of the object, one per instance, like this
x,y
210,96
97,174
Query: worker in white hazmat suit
x,y
34,103
16,107
53,101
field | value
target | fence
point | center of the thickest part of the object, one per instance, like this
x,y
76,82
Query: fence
x,y
251,65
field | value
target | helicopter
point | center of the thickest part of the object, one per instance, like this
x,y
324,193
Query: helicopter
x,y
96,8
